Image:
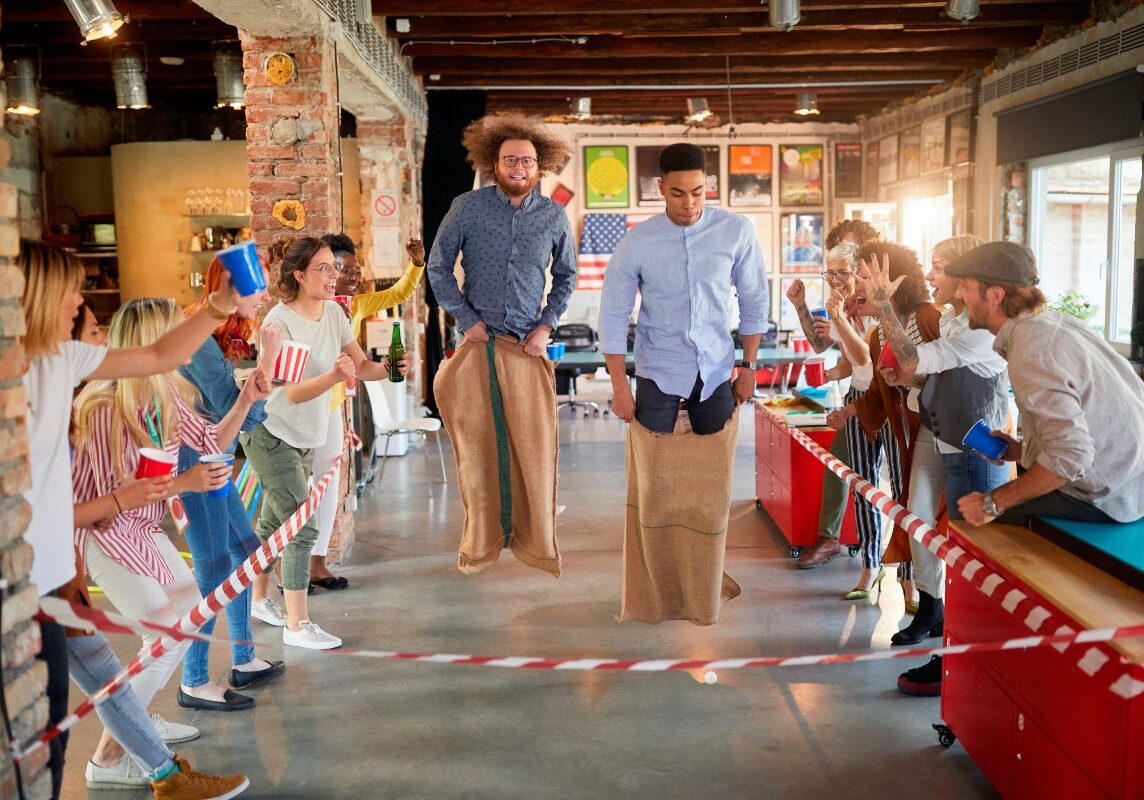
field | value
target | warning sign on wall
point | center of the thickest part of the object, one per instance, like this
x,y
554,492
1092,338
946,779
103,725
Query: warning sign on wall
x,y
385,207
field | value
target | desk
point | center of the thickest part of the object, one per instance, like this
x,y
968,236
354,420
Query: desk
x,y
1035,724
768,357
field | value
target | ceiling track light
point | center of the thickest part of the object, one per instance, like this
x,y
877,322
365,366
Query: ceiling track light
x,y
582,107
697,110
784,14
21,80
806,104
97,19
227,63
129,72
963,10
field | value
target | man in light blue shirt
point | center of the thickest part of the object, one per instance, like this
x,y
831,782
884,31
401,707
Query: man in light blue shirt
x,y
684,263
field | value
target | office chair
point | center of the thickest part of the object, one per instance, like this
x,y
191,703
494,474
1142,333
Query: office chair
x,y
581,338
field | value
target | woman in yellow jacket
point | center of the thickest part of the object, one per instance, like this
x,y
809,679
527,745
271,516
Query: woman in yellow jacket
x,y
360,308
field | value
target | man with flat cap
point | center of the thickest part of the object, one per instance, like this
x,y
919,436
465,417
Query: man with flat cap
x,y
1081,405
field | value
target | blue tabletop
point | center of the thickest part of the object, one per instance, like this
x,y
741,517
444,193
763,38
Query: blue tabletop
x,y
1116,548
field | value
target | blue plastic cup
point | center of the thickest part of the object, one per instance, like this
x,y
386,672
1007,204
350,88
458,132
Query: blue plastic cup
x,y
561,348
241,261
822,313
553,352
219,458
980,438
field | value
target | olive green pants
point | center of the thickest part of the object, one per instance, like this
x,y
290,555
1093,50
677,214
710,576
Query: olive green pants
x,y
284,472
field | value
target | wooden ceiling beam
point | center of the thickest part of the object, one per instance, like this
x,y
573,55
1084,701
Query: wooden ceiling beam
x,y
611,79
425,8
705,24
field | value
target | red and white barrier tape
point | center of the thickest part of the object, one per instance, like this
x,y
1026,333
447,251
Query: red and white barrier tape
x,y
207,609
1098,661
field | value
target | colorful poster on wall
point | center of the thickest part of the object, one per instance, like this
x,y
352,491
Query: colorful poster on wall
x,y
910,154
562,194
606,176
933,145
957,138
847,169
788,315
802,243
750,175
888,159
713,158
647,175
800,174
871,171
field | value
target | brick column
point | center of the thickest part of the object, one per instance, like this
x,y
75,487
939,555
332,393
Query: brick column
x,y
24,678
292,145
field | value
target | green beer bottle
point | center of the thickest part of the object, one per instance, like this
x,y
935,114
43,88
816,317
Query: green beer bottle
x,y
396,352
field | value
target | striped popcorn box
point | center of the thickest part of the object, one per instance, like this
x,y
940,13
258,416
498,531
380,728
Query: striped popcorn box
x,y
291,362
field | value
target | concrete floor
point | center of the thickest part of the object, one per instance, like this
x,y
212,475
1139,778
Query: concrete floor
x,y
336,726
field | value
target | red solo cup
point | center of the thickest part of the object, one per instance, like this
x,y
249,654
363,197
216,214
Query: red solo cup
x,y
291,362
886,358
155,463
815,367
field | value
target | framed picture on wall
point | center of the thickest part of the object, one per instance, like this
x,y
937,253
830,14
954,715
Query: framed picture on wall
x,y
788,315
933,145
713,157
871,171
800,174
562,194
910,154
750,175
888,159
957,138
847,169
606,176
801,243
647,175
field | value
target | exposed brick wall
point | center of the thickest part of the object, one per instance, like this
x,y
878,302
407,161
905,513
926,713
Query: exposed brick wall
x,y
23,677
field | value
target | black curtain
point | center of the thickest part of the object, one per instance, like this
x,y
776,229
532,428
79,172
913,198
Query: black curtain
x,y
445,175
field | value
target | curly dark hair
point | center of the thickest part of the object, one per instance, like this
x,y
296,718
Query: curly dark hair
x,y
340,243
289,253
903,261
861,230
484,137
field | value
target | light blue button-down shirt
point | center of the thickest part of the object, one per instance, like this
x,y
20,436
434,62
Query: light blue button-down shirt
x,y
684,275
505,254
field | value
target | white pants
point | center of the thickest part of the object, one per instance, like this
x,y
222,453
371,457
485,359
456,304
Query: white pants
x,y
143,597
324,456
927,485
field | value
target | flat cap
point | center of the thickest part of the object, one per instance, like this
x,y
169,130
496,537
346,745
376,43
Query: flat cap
x,y
1006,263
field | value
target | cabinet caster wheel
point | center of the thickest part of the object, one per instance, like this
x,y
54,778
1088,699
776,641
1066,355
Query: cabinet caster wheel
x,y
853,550
945,736
758,504
795,552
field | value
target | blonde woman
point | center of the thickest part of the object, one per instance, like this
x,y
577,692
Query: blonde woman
x,y
51,302
131,559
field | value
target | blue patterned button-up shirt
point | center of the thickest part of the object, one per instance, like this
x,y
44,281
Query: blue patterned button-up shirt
x,y
505,252
684,275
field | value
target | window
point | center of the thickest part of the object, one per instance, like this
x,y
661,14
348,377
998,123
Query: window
x,y
1083,229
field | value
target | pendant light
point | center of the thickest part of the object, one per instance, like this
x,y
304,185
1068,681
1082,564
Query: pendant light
x,y
784,14
697,110
129,71
582,107
806,104
21,76
97,19
228,74
963,10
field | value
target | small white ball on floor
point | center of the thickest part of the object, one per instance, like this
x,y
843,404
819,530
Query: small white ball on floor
x,y
710,677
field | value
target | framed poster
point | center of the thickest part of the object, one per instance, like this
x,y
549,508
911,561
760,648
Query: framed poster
x,y
888,159
750,175
871,171
713,157
647,175
958,137
800,174
606,176
788,315
801,243
933,145
909,154
562,194
847,169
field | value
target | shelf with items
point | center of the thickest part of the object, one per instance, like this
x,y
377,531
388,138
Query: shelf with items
x,y
217,216
93,253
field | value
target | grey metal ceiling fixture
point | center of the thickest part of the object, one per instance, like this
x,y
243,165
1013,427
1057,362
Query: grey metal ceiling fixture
x,y
785,14
97,19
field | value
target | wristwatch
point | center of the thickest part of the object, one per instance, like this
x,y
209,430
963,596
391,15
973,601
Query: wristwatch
x,y
989,507
751,365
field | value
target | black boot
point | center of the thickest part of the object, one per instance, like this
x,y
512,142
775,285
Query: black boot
x,y
929,621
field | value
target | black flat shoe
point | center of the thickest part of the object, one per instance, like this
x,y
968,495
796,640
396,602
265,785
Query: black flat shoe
x,y
240,679
336,582
232,701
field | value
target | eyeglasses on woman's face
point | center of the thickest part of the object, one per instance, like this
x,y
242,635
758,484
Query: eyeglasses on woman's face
x,y
837,276
528,162
329,267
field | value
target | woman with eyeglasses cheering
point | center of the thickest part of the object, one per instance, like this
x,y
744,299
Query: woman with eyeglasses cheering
x,y
282,447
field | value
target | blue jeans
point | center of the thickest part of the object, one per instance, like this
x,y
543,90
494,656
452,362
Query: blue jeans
x,y
968,472
220,539
92,663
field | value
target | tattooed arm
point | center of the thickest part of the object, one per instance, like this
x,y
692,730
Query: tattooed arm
x,y
875,278
796,293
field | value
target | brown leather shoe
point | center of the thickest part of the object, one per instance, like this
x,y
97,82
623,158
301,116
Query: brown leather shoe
x,y
822,551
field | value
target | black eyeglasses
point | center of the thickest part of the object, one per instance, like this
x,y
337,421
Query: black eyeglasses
x,y
837,277
528,162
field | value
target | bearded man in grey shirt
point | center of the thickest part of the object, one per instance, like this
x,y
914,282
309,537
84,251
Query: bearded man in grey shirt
x,y
1081,405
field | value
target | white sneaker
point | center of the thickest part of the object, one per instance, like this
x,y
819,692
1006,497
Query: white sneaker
x,y
310,636
269,612
124,775
174,732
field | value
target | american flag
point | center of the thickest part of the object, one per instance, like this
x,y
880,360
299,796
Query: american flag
x,y
602,232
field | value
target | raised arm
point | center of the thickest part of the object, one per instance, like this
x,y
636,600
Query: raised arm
x,y
796,293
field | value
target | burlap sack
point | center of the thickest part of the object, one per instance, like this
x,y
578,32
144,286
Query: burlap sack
x,y
499,406
679,502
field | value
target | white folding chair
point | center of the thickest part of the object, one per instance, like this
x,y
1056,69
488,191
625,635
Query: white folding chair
x,y
385,425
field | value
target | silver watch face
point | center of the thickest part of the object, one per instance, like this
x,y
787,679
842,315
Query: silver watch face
x,y
989,507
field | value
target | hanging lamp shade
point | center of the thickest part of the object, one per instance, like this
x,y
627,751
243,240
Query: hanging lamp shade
x,y
129,72
697,110
21,81
785,14
228,75
582,107
963,10
97,19
806,104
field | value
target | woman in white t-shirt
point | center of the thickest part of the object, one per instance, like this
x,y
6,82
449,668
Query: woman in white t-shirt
x,y
282,447
57,364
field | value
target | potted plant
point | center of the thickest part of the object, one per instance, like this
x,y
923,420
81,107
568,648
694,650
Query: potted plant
x,y
1074,304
